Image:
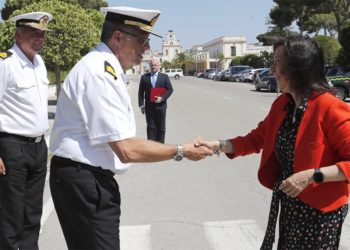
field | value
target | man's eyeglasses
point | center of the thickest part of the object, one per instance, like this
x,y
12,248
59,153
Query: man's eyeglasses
x,y
142,41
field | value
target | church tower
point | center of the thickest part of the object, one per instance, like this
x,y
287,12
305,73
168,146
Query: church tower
x,y
171,47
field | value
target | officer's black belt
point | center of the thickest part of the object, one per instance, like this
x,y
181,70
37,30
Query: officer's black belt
x,y
21,137
66,162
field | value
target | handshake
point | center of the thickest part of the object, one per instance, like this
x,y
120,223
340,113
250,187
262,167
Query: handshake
x,y
199,148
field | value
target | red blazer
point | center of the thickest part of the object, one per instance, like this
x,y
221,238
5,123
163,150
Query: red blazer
x,y
323,139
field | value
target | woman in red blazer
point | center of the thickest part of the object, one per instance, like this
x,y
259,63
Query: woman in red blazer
x,y
305,143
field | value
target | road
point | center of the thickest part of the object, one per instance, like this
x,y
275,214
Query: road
x,y
214,204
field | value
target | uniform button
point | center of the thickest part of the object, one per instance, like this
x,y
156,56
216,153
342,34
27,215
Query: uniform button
x,y
57,181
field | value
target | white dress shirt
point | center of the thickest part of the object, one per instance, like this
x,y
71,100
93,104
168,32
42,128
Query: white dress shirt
x,y
93,108
23,95
154,77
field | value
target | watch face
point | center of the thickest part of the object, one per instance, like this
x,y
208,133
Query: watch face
x,y
318,176
178,157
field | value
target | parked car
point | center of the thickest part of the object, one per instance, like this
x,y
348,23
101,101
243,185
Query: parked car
x,y
235,70
175,73
220,75
340,85
239,77
256,73
208,71
213,73
336,70
266,80
200,74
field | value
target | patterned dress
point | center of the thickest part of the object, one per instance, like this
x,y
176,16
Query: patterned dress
x,y
300,226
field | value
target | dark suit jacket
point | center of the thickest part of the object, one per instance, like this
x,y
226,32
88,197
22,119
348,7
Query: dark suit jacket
x,y
323,139
163,81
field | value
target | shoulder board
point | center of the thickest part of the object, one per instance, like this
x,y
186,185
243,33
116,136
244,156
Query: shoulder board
x,y
5,54
109,69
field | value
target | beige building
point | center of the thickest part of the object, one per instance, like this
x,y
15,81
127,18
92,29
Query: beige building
x,y
226,47
171,47
218,53
143,67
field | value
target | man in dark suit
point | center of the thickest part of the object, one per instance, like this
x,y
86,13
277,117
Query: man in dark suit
x,y
154,90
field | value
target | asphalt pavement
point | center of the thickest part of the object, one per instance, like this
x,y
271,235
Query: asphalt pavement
x,y
214,204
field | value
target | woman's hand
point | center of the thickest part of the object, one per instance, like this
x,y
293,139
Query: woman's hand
x,y
2,168
213,145
296,183
195,152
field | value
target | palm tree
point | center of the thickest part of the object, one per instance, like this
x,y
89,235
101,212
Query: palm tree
x,y
220,57
181,59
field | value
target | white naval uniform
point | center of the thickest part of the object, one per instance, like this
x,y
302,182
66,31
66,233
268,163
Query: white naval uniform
x,y
93,108
23,95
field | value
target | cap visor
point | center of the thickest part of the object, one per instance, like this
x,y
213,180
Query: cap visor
x,y
155,34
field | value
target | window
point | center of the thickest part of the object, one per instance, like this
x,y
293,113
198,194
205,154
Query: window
x,y
166,52
233,50
176,51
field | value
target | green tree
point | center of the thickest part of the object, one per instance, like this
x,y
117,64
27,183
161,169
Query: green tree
x,y
253,61
220,60
236,61
266,58
180,60
330,47
67,43
281,17
341,10
344,54
325,22
12,5
166,64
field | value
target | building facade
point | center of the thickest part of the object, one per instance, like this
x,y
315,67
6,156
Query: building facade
x,y
221,50
217,53
170,47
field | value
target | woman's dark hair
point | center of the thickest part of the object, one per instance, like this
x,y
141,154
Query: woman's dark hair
x,y
303,63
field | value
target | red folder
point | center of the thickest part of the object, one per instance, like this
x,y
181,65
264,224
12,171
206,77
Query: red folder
x,y
156,92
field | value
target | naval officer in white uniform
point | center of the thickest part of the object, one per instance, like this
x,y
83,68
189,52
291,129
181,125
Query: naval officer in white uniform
x,y
23,122
93,136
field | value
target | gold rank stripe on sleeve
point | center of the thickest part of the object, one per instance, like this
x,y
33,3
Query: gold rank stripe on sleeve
x,y
109,69
5,54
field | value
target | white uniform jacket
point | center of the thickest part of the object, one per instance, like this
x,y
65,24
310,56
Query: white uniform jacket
x,y
23,94
93,108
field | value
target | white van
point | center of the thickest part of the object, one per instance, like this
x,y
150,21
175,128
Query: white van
x,y
176,73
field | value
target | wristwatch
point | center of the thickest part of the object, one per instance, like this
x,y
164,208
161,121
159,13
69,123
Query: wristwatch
x,y
179,153
318,176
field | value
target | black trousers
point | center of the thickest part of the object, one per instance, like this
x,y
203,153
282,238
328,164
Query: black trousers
x,y
87,202
21,192
155,118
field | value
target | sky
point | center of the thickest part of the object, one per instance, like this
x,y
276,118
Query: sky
x,y
197,21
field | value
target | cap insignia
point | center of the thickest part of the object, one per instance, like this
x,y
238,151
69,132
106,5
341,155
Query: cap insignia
x,y
154,19
43,21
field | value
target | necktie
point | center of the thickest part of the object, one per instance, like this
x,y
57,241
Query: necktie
x,y
153,80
